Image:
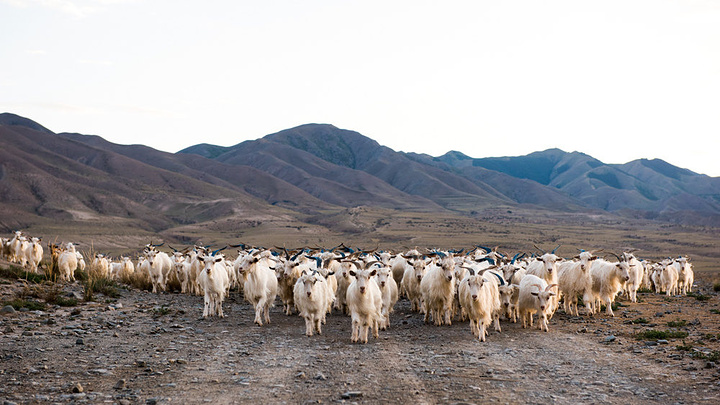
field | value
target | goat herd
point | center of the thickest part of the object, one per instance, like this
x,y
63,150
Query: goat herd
x,y
481,284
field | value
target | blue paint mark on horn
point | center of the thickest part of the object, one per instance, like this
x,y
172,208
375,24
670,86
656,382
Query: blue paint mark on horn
x,y
502,281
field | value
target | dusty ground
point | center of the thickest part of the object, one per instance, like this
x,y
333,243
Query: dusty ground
x,y
148,348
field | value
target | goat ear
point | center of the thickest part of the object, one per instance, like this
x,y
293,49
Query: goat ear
x,y
535,293
373,273
552,294
352,273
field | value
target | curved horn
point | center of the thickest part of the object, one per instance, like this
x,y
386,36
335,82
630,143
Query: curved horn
x,y
556,248
550,286
370,264
502,280
536,247
318,260
216,251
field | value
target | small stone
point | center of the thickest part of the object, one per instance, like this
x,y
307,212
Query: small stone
x,y
301,375
609,339
662,341
320,377
181,361
27,333
651,343
77,388
352,394
709,364
7,310
121,384
79,341
8,329
75,312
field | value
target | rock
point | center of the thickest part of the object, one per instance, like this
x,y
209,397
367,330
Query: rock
x,y
7,310
662,341
27,333
301,375
320,377
609,339
75,312
79,341
121,384
651,343
352,394
77,388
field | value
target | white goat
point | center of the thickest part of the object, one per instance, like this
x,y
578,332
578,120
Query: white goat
x,y
410,285
686,275
15,247
101,265
67,263
160,267
364,300
535,297
344,280
635,274
438,291
608,279
34,253
480,300
312,296
574,279
214,281
509,297
545,267
389,291
261,284
669,276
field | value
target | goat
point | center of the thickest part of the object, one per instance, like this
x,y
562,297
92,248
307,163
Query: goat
x,y
364,301
261,284
312,297
535,297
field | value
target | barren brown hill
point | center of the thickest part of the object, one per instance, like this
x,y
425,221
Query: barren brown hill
x,y
45,177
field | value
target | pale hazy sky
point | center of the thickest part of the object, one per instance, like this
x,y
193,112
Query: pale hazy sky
x,y
618,80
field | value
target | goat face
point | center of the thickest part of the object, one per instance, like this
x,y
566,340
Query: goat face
x,y
623,269
549,261
362,277
475,283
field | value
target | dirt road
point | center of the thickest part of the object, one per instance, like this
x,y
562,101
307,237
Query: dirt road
x,y
150,348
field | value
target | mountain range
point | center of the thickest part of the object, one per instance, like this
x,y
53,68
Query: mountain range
x,y
294,176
